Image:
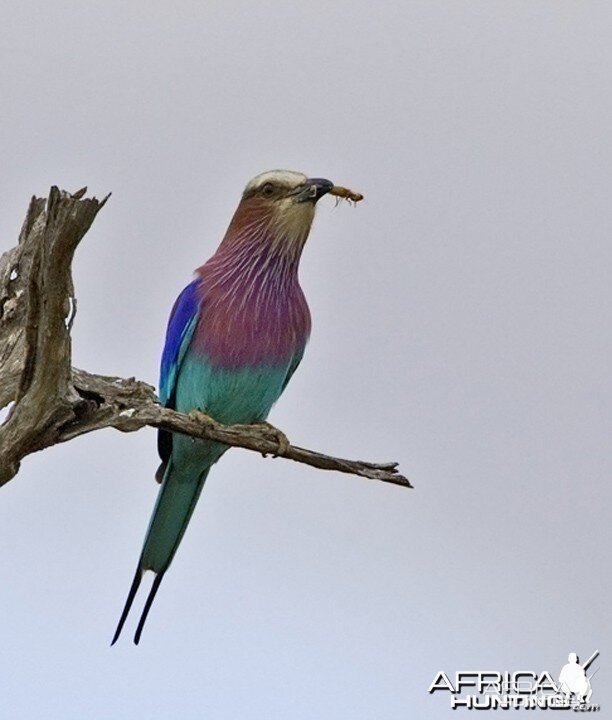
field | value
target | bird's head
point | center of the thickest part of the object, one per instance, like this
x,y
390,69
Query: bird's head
x,y
280,204
286,190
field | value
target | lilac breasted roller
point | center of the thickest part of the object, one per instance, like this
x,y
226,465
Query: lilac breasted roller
x,y
235,336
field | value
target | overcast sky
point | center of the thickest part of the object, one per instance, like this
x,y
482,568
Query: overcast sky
x,y
461,325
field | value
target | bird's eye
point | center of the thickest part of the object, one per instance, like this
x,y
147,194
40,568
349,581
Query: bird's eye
x,y
268,189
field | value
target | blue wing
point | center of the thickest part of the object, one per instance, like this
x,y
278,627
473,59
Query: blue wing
x,y
182,322
181,325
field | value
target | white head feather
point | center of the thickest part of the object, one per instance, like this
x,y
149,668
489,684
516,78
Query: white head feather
x,y
284,178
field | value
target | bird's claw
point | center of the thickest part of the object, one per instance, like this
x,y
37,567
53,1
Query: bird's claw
x,y
200,417
279,437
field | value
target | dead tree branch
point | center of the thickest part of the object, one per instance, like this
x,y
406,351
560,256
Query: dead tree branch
x,y
53,402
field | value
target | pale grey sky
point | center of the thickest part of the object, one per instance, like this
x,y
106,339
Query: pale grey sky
x,y
461,325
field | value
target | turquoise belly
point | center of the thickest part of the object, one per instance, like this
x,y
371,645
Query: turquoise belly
x,y
229,396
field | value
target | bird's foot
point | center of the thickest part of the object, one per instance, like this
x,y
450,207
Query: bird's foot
x,y
201,417
279,437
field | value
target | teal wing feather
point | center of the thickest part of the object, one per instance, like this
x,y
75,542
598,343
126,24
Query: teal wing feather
x,y
293,366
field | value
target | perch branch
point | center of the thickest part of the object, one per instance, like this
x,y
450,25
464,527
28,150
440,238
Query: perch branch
x,y
53,402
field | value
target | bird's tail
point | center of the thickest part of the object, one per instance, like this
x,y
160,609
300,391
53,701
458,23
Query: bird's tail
x,y
176,500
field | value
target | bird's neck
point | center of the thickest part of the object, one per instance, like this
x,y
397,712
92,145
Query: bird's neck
x,y
254,310
257,255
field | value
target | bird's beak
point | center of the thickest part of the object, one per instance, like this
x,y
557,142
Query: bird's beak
x,y
312,190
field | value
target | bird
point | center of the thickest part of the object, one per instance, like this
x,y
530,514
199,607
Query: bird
x,y
235,336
